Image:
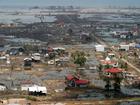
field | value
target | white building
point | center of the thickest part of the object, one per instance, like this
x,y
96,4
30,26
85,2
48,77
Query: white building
x,y
36,57
2,87
59,48
25,87
37,89
100,48
124,47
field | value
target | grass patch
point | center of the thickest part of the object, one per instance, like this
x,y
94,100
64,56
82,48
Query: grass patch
x,y
31,98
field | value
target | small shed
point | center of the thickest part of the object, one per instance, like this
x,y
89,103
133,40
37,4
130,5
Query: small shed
x,y
124,47
27,63
36,57
2,87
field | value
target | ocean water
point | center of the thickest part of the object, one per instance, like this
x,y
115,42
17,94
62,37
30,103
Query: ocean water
x,y
81,3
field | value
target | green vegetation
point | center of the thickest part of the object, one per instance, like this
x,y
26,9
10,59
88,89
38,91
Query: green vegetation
x,y
31,98
79,58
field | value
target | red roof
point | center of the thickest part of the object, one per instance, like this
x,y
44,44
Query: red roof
x,y
113,70
77,81
69,77
82,82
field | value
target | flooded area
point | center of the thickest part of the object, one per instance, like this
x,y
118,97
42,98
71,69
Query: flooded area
x,y
60,53
33,15
7,18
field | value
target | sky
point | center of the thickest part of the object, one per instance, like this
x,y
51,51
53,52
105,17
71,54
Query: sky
x,y
82,3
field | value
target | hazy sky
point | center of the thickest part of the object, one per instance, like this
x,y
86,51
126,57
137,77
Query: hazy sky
x,y
84,3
